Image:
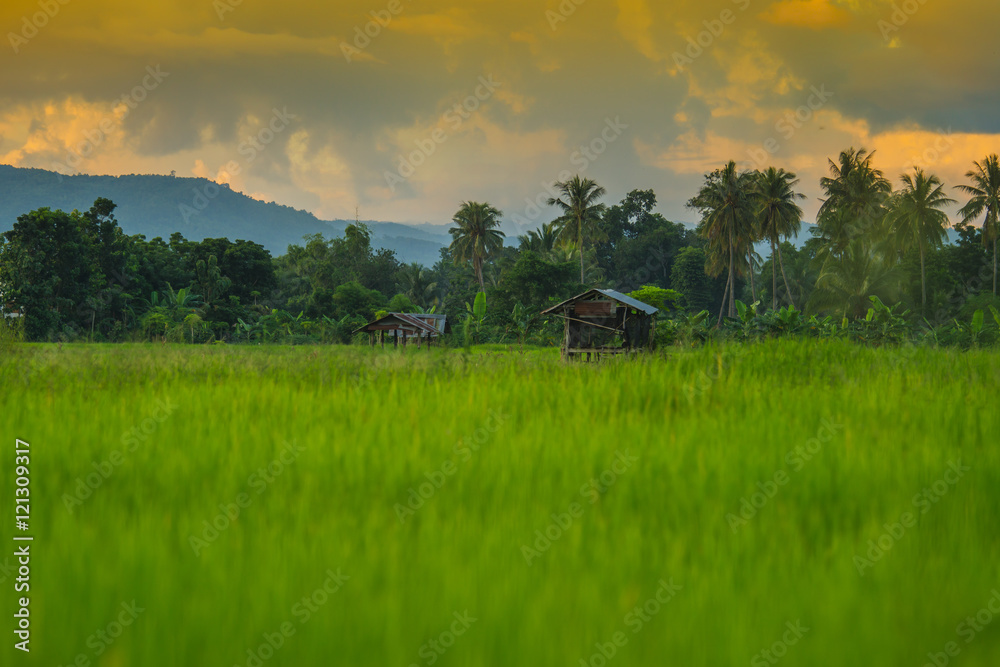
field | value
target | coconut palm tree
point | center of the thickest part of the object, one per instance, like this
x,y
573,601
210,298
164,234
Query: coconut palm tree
x,y
725,203
417,283
542,240
778,217
846,283
581,213
856,194
476,237
984,197
916,218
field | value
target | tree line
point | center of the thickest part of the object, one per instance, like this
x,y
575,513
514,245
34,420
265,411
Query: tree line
x,y
77,276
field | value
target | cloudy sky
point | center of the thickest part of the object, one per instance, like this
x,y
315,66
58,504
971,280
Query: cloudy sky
x,y
405,108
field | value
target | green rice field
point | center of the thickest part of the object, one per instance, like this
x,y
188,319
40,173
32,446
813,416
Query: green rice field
x,y
791,502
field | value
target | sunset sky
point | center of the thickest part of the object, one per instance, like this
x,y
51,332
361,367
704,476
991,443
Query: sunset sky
x,y
292,102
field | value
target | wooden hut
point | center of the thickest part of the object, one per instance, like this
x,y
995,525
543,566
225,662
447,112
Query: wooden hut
x,y
604,322
403,327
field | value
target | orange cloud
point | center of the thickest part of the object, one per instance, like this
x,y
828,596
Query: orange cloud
x,y
634,23
814,14
693,154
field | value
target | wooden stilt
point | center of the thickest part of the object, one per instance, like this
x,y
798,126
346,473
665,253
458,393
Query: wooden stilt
x,y
566,342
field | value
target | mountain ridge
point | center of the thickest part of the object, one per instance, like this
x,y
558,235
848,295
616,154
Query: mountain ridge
x,y
157,205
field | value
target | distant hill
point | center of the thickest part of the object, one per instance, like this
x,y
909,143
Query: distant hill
x,y
161,205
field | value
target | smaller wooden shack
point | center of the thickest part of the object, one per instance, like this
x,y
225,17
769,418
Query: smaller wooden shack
x,y
604,322
8,310
405,327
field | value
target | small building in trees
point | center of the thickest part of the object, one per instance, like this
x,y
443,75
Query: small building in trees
x,y
9,311
604,322
406,327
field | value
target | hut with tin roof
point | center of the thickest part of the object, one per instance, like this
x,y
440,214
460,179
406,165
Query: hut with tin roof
x,y
603,322
405,327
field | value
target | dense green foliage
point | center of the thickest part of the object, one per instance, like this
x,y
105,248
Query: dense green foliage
x,y
78,276
675,469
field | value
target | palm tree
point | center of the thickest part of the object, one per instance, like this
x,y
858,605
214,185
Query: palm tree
x,y
917,219
476,237
568,251
542,240
417,283
984,197
847,282
856,193
581,213
778,216
727,223
177,303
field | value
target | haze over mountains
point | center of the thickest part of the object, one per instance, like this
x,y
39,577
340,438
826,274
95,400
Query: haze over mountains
x,y
156,205
198,208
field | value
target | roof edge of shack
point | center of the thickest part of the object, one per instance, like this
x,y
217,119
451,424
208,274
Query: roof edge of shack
x,y
609,293
410,320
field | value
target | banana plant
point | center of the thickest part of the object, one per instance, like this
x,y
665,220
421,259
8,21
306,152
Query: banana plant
x,y
882,324
977,327
251,331
475,314
523,319
747,316
825,328
697,319
974,329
